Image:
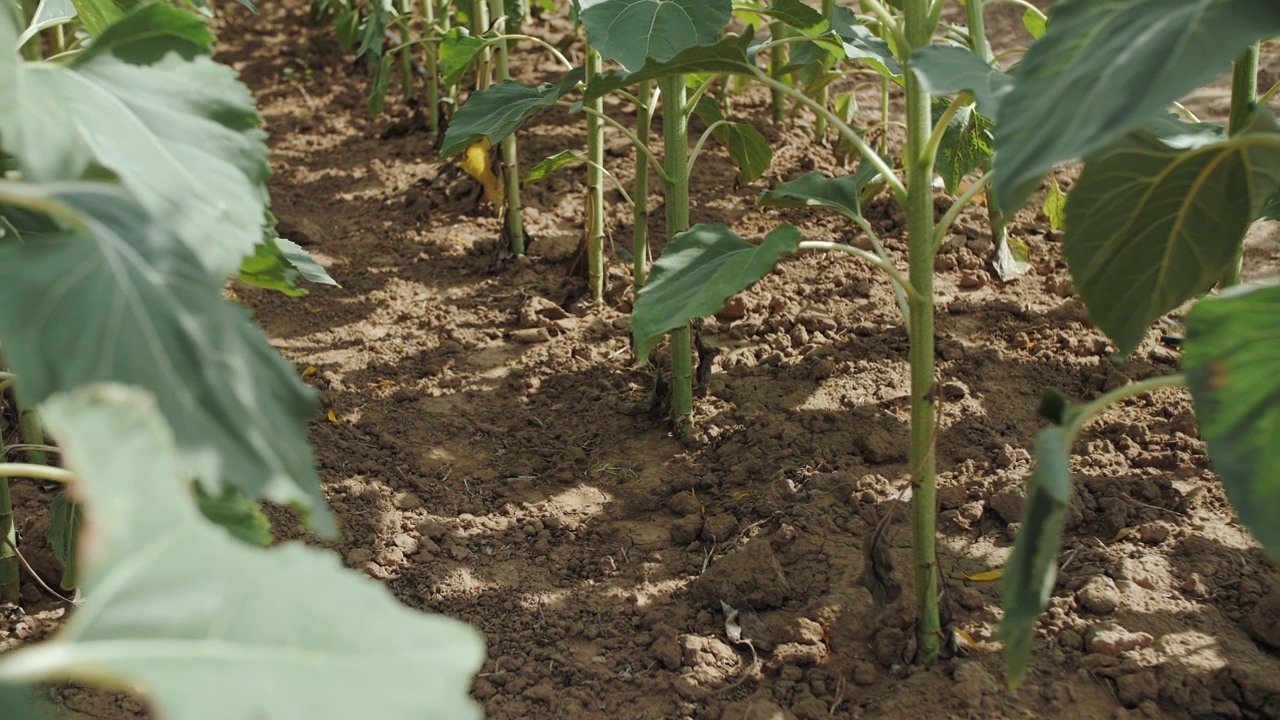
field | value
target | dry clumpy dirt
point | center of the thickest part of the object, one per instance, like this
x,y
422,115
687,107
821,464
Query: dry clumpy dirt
x,y
485,465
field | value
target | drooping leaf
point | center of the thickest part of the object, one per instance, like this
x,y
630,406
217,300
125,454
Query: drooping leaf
x,y
550,165
860,44
173,604
49,13
1232,361
728,55
458,51
1033,566
381,83
1034,22
146,102
814,189
1055,205
1102,68
499,110
64,531
965,146
109,294
237,514
1154,219
634,32
697,273
947,70
748,149
302,261
266,268
1013,258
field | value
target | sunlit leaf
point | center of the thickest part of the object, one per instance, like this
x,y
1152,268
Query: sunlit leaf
x,y
633,32
728,55
550,165
697,272
458,51
987,576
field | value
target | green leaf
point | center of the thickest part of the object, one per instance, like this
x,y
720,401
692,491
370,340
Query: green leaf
x,y
1032,568
98,15
859,43
1103,68
1154,219
302,261
209,627
239,515
64,530
381,82
634,32
1034,21
817,190
49,13
965,146
266,268
697,273
1055,205
728,56
1232,361
22,703
948,70
458,51
499,110
800,16
550,165
110,295
147,103
748,150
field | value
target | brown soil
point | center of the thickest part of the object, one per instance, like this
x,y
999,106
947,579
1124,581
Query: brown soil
x,y
483,463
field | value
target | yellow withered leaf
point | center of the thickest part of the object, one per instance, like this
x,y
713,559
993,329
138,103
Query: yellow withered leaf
x,y
1121,534
966,640
475,162
311,370
382,384
987,576
332,418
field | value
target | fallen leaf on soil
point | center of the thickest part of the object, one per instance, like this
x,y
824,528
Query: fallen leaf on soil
x,y
311,370
1121,534
332,418
987,576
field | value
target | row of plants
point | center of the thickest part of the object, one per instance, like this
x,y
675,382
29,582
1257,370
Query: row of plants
x,y
1157,218
134,187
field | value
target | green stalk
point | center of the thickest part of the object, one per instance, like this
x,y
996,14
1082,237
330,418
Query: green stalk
x,y
777,61
640,217
479,24
920,247
595,183
32,434
675,141
431,62
510,153
978,31
30,51
824,95
1244,96
10,578
406,55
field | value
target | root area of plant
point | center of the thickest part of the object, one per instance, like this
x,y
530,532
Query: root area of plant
x,y
485,445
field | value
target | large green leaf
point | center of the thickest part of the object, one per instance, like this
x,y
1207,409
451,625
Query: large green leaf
x,y
748,149
632,32
22,703
1104,66
210,628
966,143
814,189
146,102
1032,568
860,44
798,15
108,294
499,110
947,70
697,272
1232,360
728,55
1155,218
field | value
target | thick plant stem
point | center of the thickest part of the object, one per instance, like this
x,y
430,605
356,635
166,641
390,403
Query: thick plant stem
x,y
777,61
595,184
921,251
675,142
406,54
824,95
978,31
32,433
484,61
510,153
9,570
1244,95
640,215
431,63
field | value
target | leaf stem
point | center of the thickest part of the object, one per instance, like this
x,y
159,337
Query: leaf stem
x,y
1080,416
643,148
640,206
35,472
595,184
1244,98
889,268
